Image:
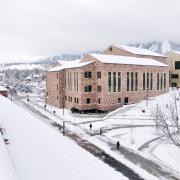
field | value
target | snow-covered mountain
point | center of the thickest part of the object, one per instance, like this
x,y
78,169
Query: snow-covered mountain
x,y
159,47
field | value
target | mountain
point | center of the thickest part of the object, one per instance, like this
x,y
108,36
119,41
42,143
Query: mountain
x,y
157,46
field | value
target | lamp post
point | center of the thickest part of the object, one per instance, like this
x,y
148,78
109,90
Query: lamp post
x,y
64,127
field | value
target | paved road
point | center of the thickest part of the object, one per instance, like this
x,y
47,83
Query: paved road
x,y
146,164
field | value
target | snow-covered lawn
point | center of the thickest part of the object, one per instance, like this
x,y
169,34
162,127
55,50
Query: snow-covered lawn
x,y
40,152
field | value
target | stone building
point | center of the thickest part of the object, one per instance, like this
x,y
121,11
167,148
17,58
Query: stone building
x,y
173,60
106,81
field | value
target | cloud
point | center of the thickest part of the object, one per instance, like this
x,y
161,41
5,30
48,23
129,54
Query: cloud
x,y
39,27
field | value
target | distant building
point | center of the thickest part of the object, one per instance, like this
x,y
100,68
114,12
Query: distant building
x,y
106,81
3,91
173,60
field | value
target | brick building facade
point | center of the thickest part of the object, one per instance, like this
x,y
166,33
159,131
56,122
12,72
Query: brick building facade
x,y
106,81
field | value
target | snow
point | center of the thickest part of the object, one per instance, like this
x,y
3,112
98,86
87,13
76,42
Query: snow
x,y
177,52
166,46
132,128
7,171
69,64
139,51
126,60
3,88
40,152
21,67
169,154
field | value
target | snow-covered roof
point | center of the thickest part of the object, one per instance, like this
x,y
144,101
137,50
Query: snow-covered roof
x,y
177,52
69,64
126,60
139,51
3,88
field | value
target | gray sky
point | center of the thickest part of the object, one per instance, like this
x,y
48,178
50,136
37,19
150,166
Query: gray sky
x,y
50,27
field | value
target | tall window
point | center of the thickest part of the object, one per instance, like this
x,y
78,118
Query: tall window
x,y
109,81
57,75
132,81
127,81
98,74
88,88
164,80
98,88
114,81
119,81
144,82
151,81
57,87
110,49
157,81
87,74
148,81
99,101
161,81
136,81
88,101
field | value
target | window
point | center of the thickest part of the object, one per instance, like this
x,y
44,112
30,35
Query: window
x,y
119,81
157,81
98,88
69,98
57,75
99,101
98,74
77,100
109,81
151,81
88,101
132,81
88,88
87,74
119,100
57,97
147,81
164,80
136,81
110,49
174,76
57,87
177,65
127,81
144,82
161,81
114,81
74,100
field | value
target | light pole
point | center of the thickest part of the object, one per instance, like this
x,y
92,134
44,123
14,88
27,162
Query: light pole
x,y
64,127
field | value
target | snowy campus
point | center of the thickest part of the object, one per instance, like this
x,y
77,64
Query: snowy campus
x,y
89,90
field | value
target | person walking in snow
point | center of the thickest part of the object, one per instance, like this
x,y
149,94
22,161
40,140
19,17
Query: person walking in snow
x,y
90,126
100,132
118,145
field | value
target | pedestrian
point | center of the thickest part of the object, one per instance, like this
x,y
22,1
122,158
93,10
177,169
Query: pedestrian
x,y
100,132
90,126
117,144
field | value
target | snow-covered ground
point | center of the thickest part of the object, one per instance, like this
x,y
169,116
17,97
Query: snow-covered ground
x,y
132,127
40,152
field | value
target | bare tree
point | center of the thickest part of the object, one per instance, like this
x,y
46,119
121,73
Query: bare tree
x,y
167,121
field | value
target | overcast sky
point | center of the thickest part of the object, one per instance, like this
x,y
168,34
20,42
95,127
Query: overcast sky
x,y
50,27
